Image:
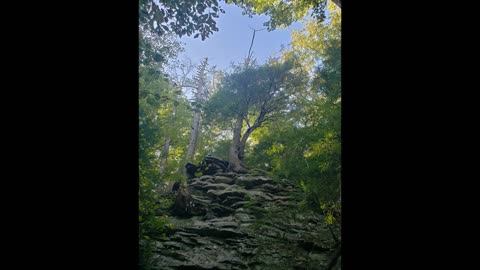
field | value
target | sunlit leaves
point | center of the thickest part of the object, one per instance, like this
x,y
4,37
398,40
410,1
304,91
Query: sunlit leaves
x,y
330,219
306,143
310,43
283,13
276,149
163,113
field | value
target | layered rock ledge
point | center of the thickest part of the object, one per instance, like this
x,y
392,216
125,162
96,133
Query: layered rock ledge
x,y
247,221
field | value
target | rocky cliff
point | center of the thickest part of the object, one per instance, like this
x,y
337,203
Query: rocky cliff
x,y
247,222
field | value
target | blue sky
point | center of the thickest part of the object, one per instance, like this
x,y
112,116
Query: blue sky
x,y
232,41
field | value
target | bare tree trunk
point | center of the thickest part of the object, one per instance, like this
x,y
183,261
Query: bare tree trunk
x,y
243,142
166,148
236,164
193,136
200,97
163,161
241,150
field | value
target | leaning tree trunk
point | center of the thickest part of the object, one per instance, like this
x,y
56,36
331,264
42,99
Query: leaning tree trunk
x,y
200,96
163,161
241,146
193,136
241,150
243,141
166,148
236,164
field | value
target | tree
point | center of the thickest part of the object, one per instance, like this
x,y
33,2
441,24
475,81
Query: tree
x,y
197,17
164,117
254,95
305,144
184,17
283,13
201,94
165,151
151,87
154,50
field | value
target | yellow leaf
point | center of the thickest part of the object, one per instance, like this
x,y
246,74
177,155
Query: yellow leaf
x,y
330,219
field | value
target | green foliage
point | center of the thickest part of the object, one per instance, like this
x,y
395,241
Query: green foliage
x,y
163,112
306,154
156,50
184,17
305,145
256,95
211,143
250,92
157,103
331,210
198,17
150,225
283,13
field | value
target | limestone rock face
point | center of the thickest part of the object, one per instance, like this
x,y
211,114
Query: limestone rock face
x,y
247,222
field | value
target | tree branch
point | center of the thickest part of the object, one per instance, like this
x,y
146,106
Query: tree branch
x,y
186,85
249,50
250,53
246,120
257,124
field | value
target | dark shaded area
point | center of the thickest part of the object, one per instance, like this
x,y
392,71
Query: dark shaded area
x,y
191,169
176,186
183,203
209,166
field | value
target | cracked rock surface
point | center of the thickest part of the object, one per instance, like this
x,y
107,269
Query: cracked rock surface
x,y
246,222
